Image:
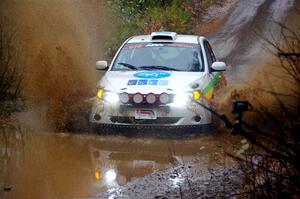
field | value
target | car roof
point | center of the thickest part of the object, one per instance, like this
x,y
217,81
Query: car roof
x,y
179,39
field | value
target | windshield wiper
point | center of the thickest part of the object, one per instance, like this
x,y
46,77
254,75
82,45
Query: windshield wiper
x,y
159,68
128,66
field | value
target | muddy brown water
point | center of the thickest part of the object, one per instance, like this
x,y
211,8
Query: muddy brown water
x,y
58,165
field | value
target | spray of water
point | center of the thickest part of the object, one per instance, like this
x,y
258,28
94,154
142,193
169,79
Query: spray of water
x,y
59,42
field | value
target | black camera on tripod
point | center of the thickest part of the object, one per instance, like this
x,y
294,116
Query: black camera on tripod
x,y
239,107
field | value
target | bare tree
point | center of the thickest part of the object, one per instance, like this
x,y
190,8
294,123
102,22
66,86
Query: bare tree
x,y
10,72
272,166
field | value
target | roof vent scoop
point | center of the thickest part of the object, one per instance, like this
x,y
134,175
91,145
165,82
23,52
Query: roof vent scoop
x,y
164,36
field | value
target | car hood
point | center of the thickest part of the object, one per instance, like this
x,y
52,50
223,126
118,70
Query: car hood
x,y
153,81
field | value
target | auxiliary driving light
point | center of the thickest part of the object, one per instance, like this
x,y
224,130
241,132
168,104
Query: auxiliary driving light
x,y
151,98
138,98
164,98
124,98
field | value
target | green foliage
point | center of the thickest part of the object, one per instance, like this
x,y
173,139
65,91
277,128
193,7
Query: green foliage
x,y
136,17
173,18
244,148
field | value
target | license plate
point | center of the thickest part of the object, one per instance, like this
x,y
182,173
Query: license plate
x,y
145,114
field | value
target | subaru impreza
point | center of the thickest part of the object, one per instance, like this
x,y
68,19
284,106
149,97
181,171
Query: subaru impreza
x,y
158,80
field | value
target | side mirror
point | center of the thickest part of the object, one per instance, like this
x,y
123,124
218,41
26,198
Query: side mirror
x,y
101,65
218,66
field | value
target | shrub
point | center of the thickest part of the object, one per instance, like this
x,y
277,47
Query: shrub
x,y
173,18
136,17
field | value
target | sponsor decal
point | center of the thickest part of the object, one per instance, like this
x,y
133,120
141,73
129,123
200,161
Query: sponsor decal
x,y
149,82
142,82
153,82
133,46
163,82
207,92
154,45
132,82
182,45
152,74
149,45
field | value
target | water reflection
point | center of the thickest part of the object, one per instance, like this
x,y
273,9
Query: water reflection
x,y
11,154
49,165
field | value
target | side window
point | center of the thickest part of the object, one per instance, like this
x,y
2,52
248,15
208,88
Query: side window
x,y
209,54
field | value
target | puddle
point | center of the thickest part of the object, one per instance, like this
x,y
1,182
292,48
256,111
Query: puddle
x,y
51,165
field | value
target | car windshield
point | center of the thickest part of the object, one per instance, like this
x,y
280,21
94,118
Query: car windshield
x,y
159,56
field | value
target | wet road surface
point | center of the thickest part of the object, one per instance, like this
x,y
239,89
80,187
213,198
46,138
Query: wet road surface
x,y
240,40
57,165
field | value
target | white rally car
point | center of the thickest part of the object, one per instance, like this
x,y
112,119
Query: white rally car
x,y
158,80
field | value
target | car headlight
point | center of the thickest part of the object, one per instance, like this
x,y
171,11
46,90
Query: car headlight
x,y
111,97
183,98
108,96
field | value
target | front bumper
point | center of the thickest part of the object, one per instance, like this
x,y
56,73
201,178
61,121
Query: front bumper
x,y
191,114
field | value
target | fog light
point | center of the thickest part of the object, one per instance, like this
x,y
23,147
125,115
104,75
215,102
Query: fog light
x,y
197,118
97,117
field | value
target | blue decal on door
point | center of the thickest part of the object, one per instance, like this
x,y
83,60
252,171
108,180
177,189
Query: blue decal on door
x,y
152,74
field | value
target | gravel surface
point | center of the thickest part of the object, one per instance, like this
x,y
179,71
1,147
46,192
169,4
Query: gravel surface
x,y
218,11
181,182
